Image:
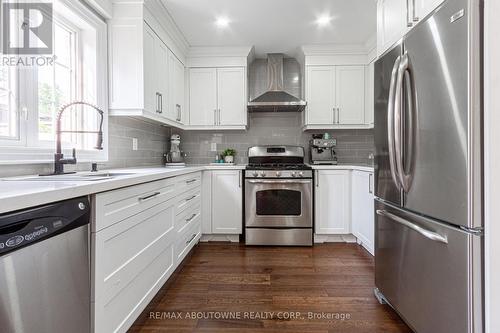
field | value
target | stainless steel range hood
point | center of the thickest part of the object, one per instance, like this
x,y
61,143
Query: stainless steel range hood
x,y
276,99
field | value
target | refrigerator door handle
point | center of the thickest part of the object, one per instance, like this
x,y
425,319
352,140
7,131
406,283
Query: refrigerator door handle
x,y
390,121
398,120
424,232
405,75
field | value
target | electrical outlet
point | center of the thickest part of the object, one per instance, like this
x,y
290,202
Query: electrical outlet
x,y
135,143
213,146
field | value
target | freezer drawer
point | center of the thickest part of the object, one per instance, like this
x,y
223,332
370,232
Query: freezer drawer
x,y
429,272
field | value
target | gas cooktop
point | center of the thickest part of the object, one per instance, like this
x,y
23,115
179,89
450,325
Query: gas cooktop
x,y
277,166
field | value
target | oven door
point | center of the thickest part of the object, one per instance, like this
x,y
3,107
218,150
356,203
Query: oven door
x,y
278,203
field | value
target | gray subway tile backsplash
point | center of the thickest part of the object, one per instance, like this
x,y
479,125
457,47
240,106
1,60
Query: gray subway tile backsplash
x,y
353,146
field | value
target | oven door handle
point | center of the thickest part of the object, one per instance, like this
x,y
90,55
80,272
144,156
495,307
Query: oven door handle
x,y
279,181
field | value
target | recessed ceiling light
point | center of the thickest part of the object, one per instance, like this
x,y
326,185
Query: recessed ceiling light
x,y
323,20
222,22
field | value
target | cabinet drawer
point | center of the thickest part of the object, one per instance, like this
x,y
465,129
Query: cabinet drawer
x,y
189,217
188,182
188,200
135,257
122,310
187,241
115,206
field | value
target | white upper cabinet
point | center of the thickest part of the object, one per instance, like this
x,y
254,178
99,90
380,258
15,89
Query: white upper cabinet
x,y
424,7
176,110
370,94
227,202
396,17
145,78
231,99
320,94
202,96
350,95
363,218
335,97
333,202
392,22
161,78
150,91
217,98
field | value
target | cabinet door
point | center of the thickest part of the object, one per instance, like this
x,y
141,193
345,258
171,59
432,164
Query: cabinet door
x,y
202,96
332,201
231,96
150,81
320,94
162,75
362,209
350,95
226,202
176,85
369,94
424,7
393,21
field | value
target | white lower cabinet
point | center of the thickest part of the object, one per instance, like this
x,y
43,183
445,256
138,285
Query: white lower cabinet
x,y
332,202
227,204
363,209
140,235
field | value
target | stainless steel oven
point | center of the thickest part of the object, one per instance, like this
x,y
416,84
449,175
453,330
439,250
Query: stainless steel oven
x,y
278,197
278,203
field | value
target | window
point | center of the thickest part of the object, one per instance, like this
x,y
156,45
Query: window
x,y
30,96
9,125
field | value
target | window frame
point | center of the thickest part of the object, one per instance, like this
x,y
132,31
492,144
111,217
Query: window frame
x,y
28,149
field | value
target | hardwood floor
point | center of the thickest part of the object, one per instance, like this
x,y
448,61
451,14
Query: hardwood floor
x,y
271,289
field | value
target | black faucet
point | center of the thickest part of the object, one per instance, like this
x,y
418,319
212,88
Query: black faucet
x,y
59,159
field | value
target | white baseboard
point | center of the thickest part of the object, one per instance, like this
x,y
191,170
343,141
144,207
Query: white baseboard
x,y
348,238
220,238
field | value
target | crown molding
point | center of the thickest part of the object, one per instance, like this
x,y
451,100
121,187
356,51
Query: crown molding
x,y
219,51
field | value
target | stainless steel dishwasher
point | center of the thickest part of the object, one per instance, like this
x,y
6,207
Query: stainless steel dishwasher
x,y
44,269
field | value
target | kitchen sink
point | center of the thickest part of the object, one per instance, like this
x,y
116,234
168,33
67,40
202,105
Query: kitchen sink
x,y
85,177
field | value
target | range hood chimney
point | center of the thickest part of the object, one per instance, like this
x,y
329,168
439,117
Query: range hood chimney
x,y
276,99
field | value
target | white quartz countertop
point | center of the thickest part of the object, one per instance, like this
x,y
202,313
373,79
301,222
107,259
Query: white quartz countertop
x,y
366,168
21,194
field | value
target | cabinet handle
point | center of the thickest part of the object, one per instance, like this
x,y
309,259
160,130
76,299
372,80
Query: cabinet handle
x,y
191,218
215,116
218,117
146,197
338,115
409,23
415,17
157,102
333,115
239,178
370,183
316,178
191,198
178,112
191,239
191,181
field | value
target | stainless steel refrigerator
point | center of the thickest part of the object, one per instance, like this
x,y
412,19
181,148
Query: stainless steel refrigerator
x,y
428,178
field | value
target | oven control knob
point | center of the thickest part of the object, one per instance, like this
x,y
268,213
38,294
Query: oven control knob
x,y
278,173
262,174
255,174
301,174
294,174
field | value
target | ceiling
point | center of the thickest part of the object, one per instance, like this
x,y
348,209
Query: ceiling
x,y
274,25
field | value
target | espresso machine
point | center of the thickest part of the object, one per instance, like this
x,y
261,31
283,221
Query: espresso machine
x,y
175,157
321,151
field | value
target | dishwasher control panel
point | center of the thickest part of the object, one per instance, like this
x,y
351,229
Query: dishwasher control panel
x,y
26,227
